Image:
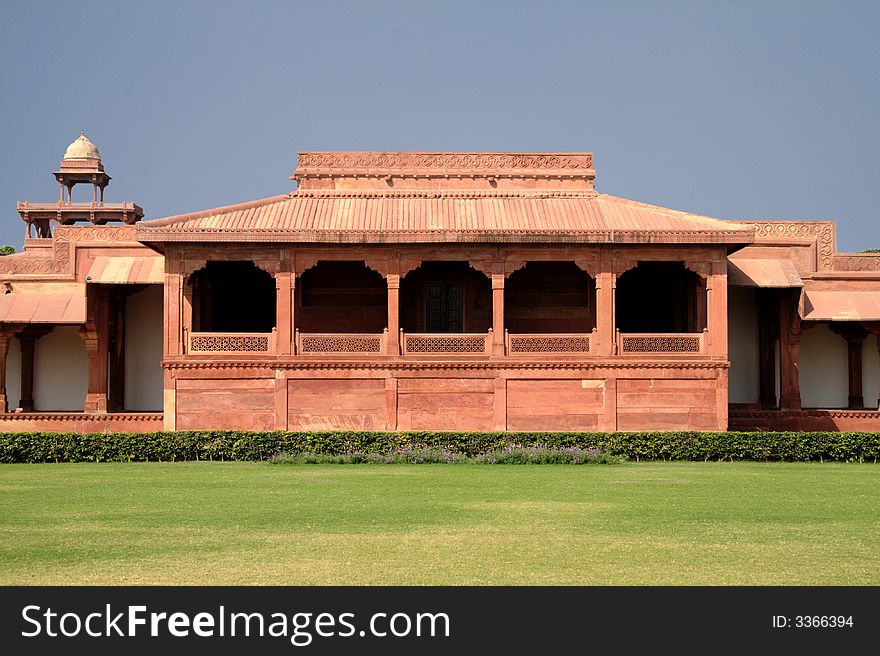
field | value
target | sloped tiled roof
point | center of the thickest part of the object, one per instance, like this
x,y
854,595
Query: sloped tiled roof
x,y
126,270
370,216
42,308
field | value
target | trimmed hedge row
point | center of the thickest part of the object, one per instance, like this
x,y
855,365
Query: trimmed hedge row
x,y
246,445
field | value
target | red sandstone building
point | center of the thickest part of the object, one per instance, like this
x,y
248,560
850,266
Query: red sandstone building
x,y
436,291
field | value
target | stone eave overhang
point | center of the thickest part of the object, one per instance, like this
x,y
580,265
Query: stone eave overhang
x,y
734,238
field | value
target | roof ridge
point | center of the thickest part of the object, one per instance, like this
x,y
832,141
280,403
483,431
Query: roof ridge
x,y
666,210
215,211
440,193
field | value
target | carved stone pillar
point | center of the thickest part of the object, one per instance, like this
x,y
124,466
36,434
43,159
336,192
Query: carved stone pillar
x,y
5,336
284,287
606,284
854,359
855,335
188,285
877,403
173,302
393,346
716,315
28,341
293,314
497,314
95,335
116,349
702,306
768,333
789,350
794,354
28,344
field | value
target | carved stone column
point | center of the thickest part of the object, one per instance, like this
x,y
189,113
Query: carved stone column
x,y
5,336
293,314
188,284
855,335
116,348
393,346
702,306
497,314
173,302
768,333
284,287
854,359
606,284
28,345
716,315
877,403
789,350
96,338
794,354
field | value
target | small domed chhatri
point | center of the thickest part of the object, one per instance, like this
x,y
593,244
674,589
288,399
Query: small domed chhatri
x,y
81,149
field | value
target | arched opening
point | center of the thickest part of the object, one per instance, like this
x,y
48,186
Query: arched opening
x,y
342,297
660,297
445,297
233,297
549,297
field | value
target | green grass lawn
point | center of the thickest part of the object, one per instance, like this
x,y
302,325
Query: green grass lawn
x,y
254,523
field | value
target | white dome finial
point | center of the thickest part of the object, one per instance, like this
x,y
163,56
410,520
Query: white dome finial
x,y
82,148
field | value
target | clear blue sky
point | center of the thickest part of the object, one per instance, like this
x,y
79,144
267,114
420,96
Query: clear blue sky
x,y
764,109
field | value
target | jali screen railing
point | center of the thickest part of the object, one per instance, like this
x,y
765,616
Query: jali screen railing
x,y
440,343
542,343
231,343
662,343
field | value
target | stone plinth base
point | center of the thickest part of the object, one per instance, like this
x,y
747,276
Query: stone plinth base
x,y
805,420
447,395
80,422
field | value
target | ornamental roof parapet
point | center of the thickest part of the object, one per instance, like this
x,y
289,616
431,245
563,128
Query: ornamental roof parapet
x,y
426,171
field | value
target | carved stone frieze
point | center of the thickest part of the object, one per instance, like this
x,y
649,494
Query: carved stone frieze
x,y
857,262
445,161
821,231
63,243
772,414
97,233
116,417
305,364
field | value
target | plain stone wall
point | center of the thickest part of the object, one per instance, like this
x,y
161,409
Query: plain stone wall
x,y
823,372
870,372
143,350
60,371
743,382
